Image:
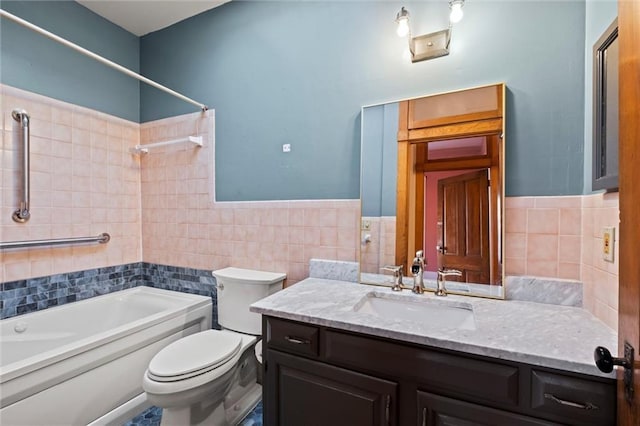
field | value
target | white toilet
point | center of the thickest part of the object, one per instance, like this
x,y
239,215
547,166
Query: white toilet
x,y
209,378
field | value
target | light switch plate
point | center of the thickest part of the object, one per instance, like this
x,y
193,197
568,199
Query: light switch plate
x,y
608,243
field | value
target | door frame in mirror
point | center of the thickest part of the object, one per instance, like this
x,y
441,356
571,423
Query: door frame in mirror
x,y
412,143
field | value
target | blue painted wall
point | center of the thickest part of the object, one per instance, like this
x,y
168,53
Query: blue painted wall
x,y
32,62
298,73
599,14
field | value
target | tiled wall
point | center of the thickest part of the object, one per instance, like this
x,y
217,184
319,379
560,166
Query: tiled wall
x,y
380,248
561,237
182,225
543,236
24,296
83,182
600,278
186,280
34,294
160,208
547,237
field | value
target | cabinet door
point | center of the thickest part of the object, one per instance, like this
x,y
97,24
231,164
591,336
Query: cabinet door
x,y
435,410
303,392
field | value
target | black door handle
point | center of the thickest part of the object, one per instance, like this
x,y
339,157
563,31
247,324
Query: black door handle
x,y
605,363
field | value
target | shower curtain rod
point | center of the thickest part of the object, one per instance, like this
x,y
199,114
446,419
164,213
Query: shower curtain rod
x,y
99,58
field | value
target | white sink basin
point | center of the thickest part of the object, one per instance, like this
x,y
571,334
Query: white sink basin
x,y
439,313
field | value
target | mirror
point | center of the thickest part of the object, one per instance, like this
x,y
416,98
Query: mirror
x,y
432,180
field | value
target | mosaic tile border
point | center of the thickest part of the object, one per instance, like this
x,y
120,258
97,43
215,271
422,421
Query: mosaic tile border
x,y
186,280
34,294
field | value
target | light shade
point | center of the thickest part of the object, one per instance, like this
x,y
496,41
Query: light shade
x,y
402,19
456,11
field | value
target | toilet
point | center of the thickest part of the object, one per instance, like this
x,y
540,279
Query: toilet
x,y
210,378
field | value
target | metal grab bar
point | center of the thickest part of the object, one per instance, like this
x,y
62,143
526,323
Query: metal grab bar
x,y
102,239
22,214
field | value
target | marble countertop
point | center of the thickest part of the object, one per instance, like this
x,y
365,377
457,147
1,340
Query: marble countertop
x,y
552,336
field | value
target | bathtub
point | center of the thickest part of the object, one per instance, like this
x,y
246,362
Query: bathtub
x,y
82,363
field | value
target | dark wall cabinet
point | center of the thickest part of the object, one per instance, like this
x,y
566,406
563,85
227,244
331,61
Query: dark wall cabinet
x,y
317,376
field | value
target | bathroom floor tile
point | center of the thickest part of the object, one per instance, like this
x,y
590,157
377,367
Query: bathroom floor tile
x,y
153,415
254,418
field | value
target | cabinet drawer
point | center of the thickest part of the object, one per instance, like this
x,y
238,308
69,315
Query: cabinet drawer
x,y
436,410
292,337
574,400
444,373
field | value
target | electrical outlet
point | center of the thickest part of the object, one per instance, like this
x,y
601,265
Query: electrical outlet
x,y
366,225
286,147
608,242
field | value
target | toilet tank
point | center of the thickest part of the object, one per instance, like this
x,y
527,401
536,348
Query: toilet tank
x,y
236,290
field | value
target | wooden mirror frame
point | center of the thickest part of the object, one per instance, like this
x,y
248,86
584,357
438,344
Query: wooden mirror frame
x,y
413,138
605,111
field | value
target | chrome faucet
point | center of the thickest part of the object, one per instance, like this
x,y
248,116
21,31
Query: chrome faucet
x,y
442,275
417,270
397,275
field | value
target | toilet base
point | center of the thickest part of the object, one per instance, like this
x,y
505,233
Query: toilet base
x,y
223,415
193,415
240,409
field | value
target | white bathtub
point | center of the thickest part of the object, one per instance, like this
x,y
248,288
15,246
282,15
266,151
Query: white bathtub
x,y
83,362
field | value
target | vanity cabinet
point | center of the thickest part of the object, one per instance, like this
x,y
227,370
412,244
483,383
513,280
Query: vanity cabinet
x,y
322,376
313,393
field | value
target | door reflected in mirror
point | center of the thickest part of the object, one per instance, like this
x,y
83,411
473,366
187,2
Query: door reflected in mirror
x,y
432,181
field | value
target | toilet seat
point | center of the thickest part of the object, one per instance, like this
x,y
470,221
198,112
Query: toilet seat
x,y
194,355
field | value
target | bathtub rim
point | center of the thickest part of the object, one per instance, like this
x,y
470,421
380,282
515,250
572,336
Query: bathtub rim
x,y
43,359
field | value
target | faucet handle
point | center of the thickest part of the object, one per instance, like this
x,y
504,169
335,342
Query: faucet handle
x,y
393,268
449,272
397,275
442,275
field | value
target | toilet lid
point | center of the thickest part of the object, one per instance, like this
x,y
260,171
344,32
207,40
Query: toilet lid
x,y
194,355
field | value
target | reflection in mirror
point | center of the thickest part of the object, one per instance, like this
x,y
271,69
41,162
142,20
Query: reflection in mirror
x,y
432,181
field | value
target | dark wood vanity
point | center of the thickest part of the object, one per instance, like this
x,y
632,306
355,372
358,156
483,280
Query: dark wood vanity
x,y
315,375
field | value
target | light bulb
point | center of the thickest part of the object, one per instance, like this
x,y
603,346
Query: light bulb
x,y
456,12
403,27
402,19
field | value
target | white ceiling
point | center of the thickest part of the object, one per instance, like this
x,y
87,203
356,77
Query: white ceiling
x,y
142,17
